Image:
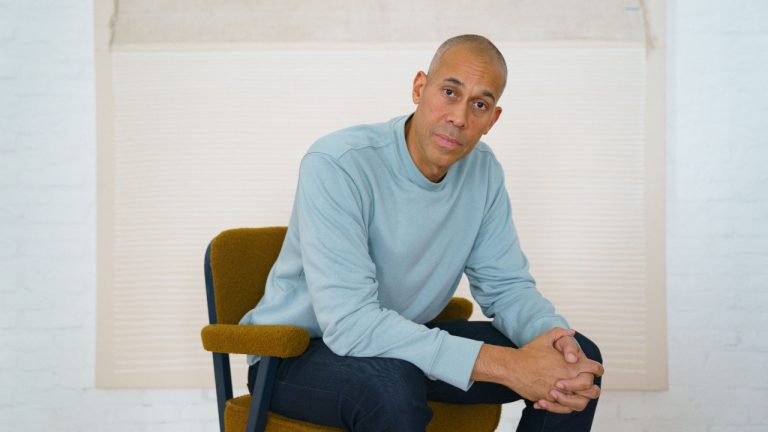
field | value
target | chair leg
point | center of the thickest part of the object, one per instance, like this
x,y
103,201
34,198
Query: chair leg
x,y
223,378
262,392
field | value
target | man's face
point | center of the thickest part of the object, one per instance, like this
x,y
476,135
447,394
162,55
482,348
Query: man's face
x,y
456,106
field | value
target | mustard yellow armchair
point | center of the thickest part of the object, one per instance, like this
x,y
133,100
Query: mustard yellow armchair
x,y
237,262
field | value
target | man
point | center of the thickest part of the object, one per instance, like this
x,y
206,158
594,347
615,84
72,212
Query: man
x,y
386,218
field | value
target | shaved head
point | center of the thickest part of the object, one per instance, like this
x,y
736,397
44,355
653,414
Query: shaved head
x,y
456,103
479,45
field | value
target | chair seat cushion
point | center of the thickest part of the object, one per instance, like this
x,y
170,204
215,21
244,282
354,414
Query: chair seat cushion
x,y
447,417
236,417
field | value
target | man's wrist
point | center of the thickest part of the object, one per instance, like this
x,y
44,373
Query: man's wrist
x,y
495,364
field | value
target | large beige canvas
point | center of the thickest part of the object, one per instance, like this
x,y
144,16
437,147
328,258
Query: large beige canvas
x,y
200,138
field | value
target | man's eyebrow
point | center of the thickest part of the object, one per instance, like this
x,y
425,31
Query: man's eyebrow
x,y
454,81
458,83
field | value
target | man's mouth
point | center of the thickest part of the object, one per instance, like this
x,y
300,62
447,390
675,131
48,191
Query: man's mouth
x,y
447,142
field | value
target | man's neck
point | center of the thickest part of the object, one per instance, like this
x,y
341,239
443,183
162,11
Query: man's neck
x,y
432,173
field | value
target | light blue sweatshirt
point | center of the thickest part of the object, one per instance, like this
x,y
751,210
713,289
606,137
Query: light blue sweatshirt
x,y
374,250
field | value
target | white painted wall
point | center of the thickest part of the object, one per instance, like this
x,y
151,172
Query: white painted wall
x,y
717,232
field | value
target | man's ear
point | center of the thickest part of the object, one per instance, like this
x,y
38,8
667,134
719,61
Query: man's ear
x,y
418,86
496,114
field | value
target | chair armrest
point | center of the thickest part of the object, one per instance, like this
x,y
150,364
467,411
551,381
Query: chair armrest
x,y
456,309
262,340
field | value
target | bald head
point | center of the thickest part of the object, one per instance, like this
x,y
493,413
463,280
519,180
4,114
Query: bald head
x,y
478,45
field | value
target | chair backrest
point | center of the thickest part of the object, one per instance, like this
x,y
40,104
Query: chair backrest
x,y
237,263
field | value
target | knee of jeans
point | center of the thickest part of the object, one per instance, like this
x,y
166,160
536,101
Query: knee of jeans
x,y
589,348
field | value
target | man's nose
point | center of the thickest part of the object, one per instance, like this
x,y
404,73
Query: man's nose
x,y
458,115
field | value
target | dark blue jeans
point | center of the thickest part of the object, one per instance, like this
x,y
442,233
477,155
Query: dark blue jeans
x,y
383,394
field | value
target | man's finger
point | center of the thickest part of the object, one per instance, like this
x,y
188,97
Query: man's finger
x,y
591,367
570,349
572,401
591,393
584,381
553,407
597,369
558,332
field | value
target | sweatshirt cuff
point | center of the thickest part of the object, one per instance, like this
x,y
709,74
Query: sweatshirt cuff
x,y
455,360
545,325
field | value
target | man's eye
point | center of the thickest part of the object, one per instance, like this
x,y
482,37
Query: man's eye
x,y
448,92
481,106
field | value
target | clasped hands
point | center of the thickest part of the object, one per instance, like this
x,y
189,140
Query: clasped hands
x,y
556,374
551,370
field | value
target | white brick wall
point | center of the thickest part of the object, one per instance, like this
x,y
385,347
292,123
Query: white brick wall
x,y
717,232
47,241
717,227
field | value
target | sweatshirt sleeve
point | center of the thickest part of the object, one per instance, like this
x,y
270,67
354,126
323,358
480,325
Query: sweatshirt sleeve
x,y
341,278
498,273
